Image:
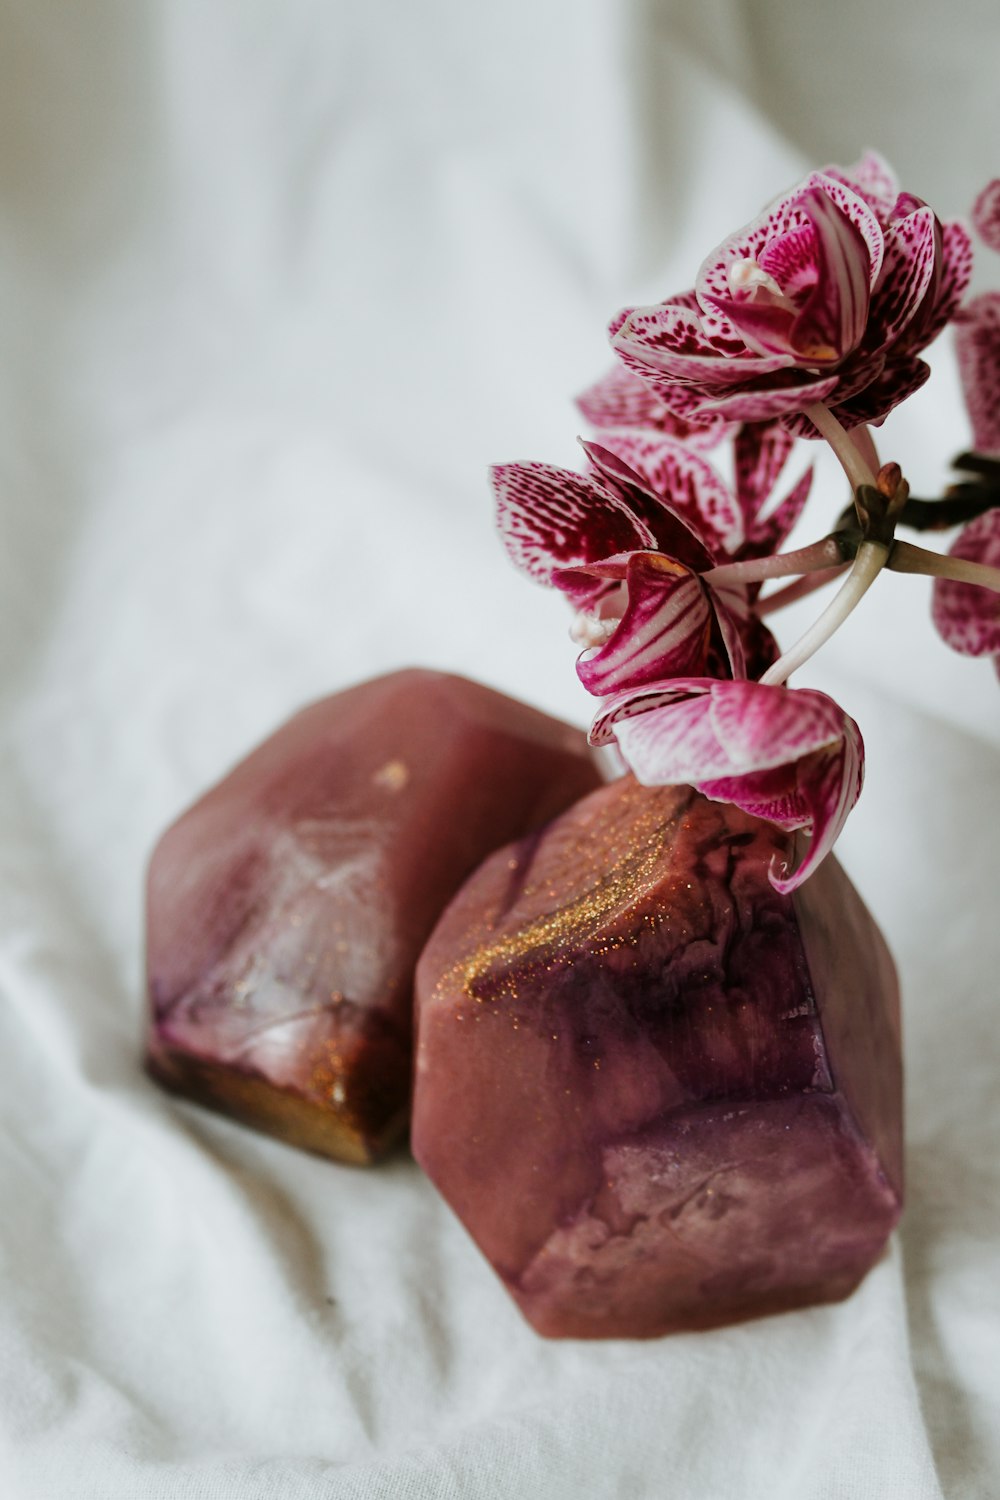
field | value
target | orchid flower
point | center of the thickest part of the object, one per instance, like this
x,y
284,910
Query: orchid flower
x,y
827,298
789,755
810,321
630,543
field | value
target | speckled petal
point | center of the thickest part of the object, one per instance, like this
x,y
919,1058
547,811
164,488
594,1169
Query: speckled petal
x,y
761,403
621,400
551,518
967,616
663,633
870,407
977,337
670,342
911,248
673,532
794,212
768,533
986,214
689,485
872,179
760,451
956,258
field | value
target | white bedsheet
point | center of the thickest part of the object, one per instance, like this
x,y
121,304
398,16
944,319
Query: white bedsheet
x,y
278,282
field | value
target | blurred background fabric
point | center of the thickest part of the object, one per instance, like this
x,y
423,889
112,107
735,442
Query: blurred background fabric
x,y
277,283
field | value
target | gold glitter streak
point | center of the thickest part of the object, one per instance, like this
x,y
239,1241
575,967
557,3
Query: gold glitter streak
x,y
614,888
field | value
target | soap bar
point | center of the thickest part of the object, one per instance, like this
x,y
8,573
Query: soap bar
x,y
287,908
660,1095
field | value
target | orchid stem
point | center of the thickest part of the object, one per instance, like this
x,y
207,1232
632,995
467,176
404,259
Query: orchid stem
x,y
868,564
906,558
851,461
792,592
826,553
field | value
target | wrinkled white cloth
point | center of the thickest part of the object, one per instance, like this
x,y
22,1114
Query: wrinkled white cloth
x,y
278,282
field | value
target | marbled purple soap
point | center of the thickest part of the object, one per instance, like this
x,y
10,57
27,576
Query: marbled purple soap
x,y
287,908
658,1094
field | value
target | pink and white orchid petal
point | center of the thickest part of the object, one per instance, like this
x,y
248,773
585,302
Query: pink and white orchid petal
x,y
870,407
967,616
761,403
796,211
664,631
912,247
956,257
731,623
685,482
619,318
760,451
613,568
673,746
634,702
977,339
817,794
772,794
830,784
767,328
986,214
762,727
712,286
551,518
760,649
768,533
672,532
872,179
858,213
790,755
790,260
833,317
621,400
671,341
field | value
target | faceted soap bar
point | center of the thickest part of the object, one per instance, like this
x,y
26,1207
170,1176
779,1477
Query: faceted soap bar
x,y
658,1094
287,908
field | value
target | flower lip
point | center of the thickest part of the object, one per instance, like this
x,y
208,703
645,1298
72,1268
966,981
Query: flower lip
x,y
797,280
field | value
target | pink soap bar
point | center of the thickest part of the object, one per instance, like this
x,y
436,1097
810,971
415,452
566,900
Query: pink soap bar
x,y
287,908
658,1094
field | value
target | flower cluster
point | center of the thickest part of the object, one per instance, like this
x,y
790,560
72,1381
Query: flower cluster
x,y
808,323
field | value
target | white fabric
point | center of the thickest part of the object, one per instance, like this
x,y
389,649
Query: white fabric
x,y
279,281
